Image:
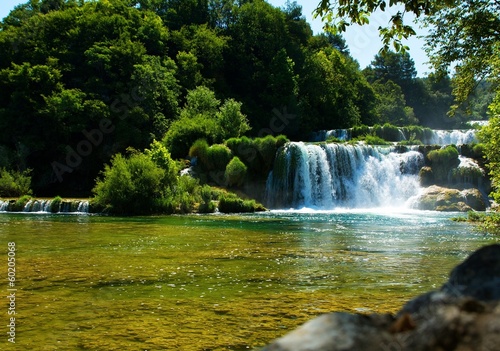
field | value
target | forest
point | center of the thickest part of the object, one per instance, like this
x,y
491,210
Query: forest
x,y
113,98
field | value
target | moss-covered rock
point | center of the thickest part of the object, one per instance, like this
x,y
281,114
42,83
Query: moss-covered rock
x,y
426,176
435,198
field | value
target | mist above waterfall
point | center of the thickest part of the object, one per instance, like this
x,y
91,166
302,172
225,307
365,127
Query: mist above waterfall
x,y
330,176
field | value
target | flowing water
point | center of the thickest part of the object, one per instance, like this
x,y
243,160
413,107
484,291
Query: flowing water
x,y
216,282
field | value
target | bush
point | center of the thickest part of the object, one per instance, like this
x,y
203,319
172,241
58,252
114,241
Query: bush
x,y
230,203
235,172
187,194
208,195
410,142
388,132
218,156
131,185
55,205
246,150
21,203
375,140
257,154
199,150
359,131
185,131
14,184
442,162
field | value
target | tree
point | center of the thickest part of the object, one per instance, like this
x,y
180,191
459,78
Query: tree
x,y
334,94
456,29
203,117
455,34
339,15
392,105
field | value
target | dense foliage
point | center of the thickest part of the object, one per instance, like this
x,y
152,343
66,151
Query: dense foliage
x,y
463,35
83,81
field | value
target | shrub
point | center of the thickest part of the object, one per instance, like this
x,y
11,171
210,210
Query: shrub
x,y
246,150
199,150
185,131
55,205
359,131
21,203
257,154
375,140
230,203
235,172
218,156
410,142
131,185
442,161
389,132
187,194
208,195
13,183
267,151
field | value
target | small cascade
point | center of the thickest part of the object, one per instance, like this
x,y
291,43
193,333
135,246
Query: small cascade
x,y
467,172
46,206
340,134
37,206
83,207
27,207
448,137
328,176
425,135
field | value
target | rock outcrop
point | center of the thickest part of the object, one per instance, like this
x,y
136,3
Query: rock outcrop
x,y
436,198
463,315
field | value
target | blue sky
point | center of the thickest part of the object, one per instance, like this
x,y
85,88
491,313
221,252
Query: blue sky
x,y
363,42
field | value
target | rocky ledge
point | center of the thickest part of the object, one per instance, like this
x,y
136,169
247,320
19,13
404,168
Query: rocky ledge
x,y
436,198
463,315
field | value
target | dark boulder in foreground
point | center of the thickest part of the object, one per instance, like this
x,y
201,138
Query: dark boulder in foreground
x,y
463,315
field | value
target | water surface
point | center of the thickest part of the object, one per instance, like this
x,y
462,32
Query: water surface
x,y
216,282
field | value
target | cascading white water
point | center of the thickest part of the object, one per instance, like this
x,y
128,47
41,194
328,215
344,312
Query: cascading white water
x,y
83,207
328,176
449,137
45,206
429,137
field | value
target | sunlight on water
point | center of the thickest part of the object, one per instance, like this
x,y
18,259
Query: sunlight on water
x,y
218,282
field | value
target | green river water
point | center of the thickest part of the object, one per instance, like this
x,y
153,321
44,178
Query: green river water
x,y
214,282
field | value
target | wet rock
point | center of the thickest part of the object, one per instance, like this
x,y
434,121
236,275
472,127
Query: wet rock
x,y
463,315
436,198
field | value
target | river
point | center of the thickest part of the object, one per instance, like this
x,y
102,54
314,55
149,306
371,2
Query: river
x,y
216,282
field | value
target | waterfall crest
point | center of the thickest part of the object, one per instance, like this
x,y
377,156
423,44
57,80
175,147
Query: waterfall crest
x,y
46,206
426,136
329,176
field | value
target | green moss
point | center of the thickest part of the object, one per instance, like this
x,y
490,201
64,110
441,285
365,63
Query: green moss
x,y
231,203
235,172
55,205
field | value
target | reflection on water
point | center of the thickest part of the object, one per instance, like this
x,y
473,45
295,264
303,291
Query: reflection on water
x,y
217,282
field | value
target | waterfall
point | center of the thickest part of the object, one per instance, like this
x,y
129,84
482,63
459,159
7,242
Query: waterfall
x,y
45,206
83,207
426,136
448,137
328,176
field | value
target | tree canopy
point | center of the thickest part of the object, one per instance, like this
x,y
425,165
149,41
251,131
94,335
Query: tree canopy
x,y
86,80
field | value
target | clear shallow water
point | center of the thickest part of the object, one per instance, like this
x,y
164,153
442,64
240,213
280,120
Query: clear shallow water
x,y
216,282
